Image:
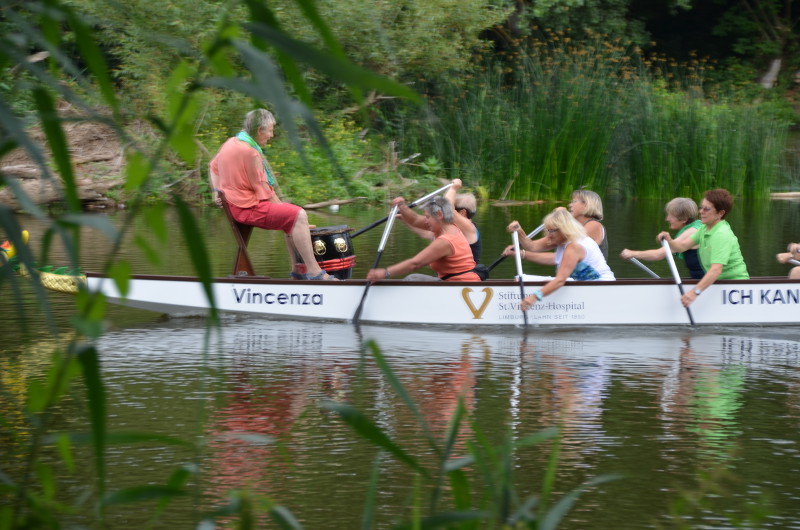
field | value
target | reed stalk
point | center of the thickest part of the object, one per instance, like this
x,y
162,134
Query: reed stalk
x,y
560,116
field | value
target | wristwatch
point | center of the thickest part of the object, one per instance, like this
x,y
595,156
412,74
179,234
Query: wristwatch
x,y
697,291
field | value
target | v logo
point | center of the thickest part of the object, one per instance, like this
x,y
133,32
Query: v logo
x,y
487,296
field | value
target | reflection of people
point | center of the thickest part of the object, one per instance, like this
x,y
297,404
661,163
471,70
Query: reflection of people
x,y
448,254
718,246
792,252
240,170
681,216
464,204
576,256
703,398
587,208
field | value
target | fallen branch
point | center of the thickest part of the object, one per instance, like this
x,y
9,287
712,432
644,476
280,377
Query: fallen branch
x,y
331,203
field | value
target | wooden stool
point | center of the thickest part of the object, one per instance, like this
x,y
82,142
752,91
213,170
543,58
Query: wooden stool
x,y
242,266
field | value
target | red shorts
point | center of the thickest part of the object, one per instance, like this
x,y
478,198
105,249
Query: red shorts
x,y
268,215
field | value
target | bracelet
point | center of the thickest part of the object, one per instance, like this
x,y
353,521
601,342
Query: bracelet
x,y
386,274
538,294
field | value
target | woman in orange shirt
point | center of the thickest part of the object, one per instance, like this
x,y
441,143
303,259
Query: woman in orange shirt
x,y
448,254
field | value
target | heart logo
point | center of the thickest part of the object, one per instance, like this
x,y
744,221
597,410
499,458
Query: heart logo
x,y
487,297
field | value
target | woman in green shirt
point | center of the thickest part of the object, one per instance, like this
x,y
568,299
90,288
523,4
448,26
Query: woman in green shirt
x,y
718,247
681,216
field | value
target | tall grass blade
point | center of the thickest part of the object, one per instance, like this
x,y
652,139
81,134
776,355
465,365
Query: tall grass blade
x,y
368,515
369,431
96,398
398,387
553,517
58,145
198,253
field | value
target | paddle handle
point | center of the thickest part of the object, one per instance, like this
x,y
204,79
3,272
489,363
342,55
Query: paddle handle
x,y
420,201
674,269
385,236
381,246
793,262
518,260
497,262
644,267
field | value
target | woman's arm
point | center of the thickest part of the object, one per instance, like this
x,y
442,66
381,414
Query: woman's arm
x,y
412,218
707,280
572,255
538,245
439,248
657,254
595,230
682,244
213,179
647,255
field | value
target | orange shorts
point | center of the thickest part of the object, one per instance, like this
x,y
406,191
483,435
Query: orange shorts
x,y
268,215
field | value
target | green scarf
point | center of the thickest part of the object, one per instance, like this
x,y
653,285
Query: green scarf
x,y
243,136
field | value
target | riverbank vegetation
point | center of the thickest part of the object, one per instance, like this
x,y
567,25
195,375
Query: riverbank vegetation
x,y
555,116
524,104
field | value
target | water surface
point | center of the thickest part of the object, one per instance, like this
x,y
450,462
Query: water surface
x,y
676,411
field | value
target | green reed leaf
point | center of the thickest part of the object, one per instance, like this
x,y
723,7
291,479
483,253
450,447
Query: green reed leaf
x,y
57,142
285,518
142,493
64,446
335,67
368,430
96,399
398,387
120,272
93,58
197,251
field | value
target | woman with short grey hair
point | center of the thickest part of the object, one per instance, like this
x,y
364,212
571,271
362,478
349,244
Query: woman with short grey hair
x,y
448,254
682,215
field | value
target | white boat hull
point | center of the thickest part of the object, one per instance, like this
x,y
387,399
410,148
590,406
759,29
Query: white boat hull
x,y
764,301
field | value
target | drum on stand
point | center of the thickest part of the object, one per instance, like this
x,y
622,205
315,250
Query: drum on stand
x,y
333,250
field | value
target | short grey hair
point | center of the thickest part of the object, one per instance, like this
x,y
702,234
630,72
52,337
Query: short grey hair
x,y
467,202
440,204
255,119
682,208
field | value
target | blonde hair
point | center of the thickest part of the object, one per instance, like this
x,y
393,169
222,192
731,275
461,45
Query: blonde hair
x,y
561,219
682,209
594,205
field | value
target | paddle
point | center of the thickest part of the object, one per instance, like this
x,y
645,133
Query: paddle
x,y
381,246
518,259
644,267
418,202
496,262
674,269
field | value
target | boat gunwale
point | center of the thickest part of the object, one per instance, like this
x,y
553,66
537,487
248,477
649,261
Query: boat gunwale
x,y
490,282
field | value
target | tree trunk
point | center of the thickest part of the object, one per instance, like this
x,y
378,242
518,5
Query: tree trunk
x,y
771,77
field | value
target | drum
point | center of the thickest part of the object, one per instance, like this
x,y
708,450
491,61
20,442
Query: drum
x,y
333,250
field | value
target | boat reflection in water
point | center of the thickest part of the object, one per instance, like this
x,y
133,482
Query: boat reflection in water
x,y
657,405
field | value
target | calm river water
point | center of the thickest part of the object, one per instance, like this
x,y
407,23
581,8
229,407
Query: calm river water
x,y
712,413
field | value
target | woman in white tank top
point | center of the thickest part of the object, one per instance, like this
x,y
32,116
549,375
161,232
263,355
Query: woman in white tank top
x,y
576,256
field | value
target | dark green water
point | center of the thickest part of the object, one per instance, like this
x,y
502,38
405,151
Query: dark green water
x,y
663,407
